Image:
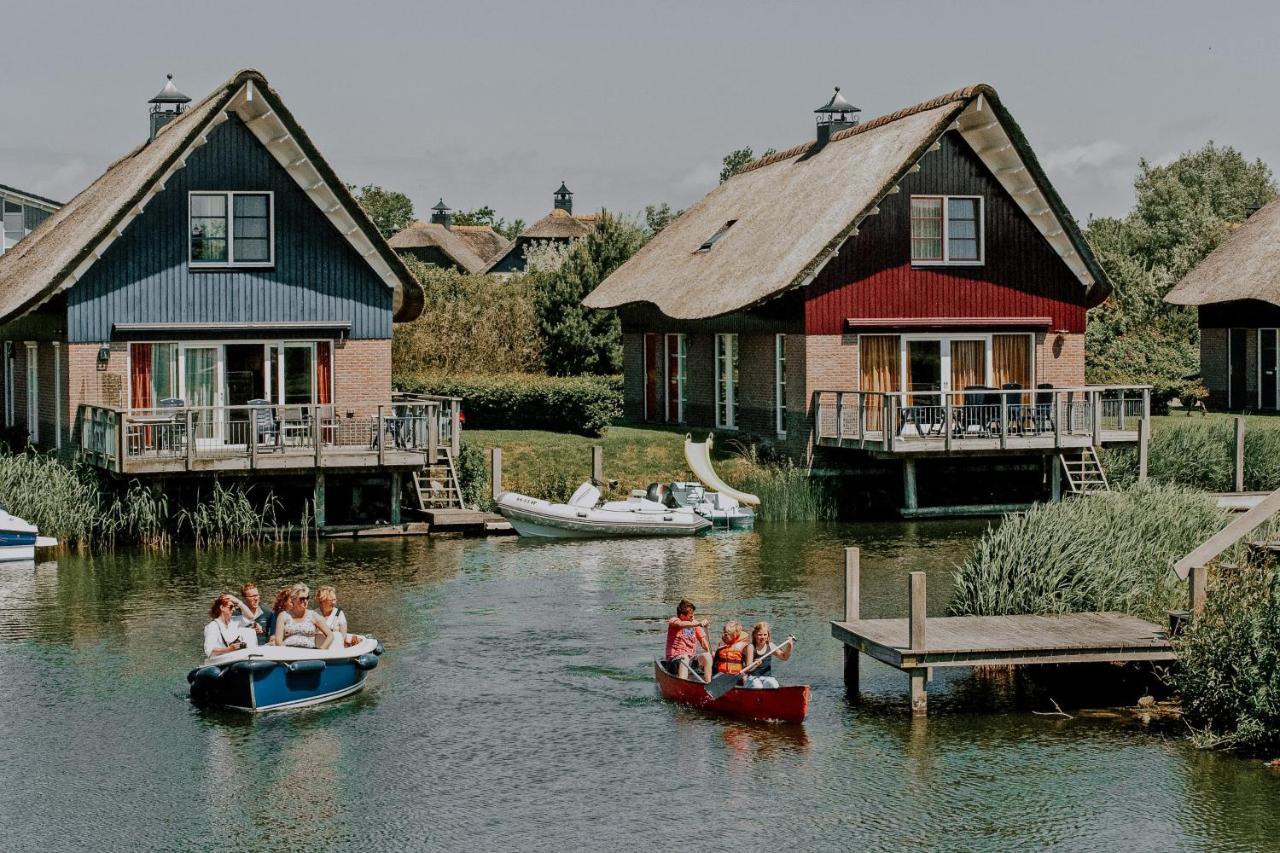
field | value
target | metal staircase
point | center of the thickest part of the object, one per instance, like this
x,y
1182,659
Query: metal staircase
x,y
1084,472
436,485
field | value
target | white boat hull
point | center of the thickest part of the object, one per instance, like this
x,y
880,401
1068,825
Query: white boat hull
x,y
542,519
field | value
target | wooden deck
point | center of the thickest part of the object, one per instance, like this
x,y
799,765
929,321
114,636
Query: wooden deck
x,y
467,522
910,443
917,644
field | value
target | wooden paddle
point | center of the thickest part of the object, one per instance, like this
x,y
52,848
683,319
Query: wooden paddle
x,y
721,683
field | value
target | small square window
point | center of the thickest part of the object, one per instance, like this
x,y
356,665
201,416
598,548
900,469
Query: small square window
x,y
946,230
711,241
229,228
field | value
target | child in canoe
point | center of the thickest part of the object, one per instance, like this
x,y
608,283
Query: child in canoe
x,y
759,669
684,635
732,651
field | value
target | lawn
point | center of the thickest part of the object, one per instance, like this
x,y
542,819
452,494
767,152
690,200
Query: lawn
x,y
548,462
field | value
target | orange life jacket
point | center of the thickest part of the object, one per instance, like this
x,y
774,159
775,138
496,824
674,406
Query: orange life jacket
x,y
729,660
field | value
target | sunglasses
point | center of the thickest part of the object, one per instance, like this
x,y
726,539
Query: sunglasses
x,y
304,598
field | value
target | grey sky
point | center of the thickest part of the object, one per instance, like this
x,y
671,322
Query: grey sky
x,y
634,103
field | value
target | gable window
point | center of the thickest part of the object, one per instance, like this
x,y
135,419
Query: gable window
x,y
946,230
727,381
231,228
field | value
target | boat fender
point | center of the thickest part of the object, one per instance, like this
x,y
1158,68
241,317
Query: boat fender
x,y
253,665
366,661
305,666
378,649
204,673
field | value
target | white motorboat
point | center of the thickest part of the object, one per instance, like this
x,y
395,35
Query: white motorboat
x,y
724,512
19,538
584,516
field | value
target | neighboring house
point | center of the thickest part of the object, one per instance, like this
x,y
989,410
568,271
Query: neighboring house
x,y
1236,291
867,289
21,212
465,248
216,301
558,226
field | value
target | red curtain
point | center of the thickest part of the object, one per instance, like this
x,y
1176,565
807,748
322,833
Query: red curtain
x,y
140,376
324,373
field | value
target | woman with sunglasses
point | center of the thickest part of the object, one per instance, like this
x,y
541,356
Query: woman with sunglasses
x,y
298,626
222,634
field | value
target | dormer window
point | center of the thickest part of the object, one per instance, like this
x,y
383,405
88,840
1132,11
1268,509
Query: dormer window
x,y
231,229
711,241
946,230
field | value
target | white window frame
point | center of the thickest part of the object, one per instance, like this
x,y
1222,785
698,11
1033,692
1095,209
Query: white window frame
x,y
22,212
988,338
681,374
780,384
9,413
730,420
946,242
57,395
231,226
33,392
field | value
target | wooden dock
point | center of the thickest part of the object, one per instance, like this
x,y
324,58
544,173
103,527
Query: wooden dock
x,y
917,644
467,522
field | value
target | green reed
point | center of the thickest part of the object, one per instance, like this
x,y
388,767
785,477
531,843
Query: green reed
x,y
62,500
786,490
228,517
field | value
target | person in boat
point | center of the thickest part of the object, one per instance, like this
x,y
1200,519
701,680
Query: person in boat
x,y
278,606
330,612
298,626
250,614
758,670
732,651
222,634
684,636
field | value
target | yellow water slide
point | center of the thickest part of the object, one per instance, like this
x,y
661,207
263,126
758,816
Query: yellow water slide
x,y
699,458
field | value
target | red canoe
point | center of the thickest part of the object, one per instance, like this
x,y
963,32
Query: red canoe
x,y
786,704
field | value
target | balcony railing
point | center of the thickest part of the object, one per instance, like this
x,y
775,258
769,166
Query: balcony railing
x,y
973,419
268,436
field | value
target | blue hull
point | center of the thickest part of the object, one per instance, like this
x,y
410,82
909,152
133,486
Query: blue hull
x,y
266,685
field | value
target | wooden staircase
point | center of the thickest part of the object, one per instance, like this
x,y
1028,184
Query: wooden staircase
x,y
436,485
1084,472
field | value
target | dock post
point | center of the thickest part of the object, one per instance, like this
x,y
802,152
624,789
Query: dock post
x,y
1239,457
318,500
396,496
495,470
1144,439
597,463
852,611
916,620
1197,581
909,499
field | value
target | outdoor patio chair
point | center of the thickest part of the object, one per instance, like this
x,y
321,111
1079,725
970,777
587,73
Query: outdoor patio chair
x,y
172,436
265,427
972,418
1019,415
295,424
1042,418
925,417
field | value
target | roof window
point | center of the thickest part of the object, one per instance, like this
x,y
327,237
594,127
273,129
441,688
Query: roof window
x,y
711,241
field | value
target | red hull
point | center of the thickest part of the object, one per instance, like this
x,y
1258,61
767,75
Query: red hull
x,y
786,704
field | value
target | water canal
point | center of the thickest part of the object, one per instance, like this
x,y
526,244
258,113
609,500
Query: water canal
x,y
515,710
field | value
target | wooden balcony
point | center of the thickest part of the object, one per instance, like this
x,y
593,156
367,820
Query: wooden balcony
x,y
985,421
412,432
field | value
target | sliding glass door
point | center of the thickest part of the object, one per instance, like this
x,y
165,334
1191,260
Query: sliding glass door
x,y
201,392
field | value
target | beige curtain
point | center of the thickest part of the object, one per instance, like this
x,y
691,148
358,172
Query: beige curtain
x,y
879,359
1011,361
968,366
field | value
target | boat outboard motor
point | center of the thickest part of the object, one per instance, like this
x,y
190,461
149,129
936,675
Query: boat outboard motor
x,y
654,493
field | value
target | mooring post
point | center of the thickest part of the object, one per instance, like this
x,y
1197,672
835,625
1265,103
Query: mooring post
x,y
1197,581
495,471
916,619
318,501
1144,439
597,463
1239,457
852,610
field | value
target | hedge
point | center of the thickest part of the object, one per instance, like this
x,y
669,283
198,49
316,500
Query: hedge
x,y
586,405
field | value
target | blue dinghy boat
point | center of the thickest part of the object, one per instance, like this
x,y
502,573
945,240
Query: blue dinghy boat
x,y
19,538
265,678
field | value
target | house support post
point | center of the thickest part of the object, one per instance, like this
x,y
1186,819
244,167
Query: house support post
x,y
1055,478
909,499
1239,456
495,471
318,500
396,496
597,464
1197,582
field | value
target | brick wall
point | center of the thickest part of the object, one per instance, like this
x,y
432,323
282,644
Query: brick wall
x,y
633,376
1060,359
757,388
1213,365
700,379
86,384
362,376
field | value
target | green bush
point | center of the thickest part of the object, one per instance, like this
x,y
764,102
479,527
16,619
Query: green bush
x,y
1201,455
586,405
473,474
1229,673
1108,551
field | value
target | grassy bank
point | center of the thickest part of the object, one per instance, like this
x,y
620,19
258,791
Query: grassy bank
x,y
552,464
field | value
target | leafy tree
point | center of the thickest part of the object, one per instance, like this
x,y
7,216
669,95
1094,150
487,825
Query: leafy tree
x,y
658,216
577,339
488,216
736,161
390,211
1184,209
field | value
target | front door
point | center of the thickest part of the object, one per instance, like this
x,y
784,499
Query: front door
x,y
1267,353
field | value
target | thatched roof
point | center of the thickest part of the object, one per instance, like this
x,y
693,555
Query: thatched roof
x,y
483,240
791,211
423,234
62,249
1245,266
560,225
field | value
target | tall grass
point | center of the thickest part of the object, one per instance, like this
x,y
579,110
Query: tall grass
x,y
228,517
787,492
1202,456
1110,551
62,500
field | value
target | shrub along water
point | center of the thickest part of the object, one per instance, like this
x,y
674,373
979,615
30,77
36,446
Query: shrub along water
x,y
1110,551
586,405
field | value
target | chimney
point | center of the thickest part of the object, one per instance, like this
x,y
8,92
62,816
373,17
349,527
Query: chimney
x,y
166,106
440,214
835,115
564,199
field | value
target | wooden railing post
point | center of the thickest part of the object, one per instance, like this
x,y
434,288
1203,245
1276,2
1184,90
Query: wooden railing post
x,y
1058,411
1097,417
852,584
317,437
839,417
1144,441
455,427
121,420
1120,414
253,437
191,438
1239,455
382,443
495,471
948,412
1004,419
433,432
886,420
1197,583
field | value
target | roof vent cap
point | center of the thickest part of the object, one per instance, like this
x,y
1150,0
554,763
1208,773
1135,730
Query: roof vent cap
x,y
441,213
835,115
167,105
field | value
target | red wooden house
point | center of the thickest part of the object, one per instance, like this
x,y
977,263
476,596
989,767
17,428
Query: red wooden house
x,y
909,286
